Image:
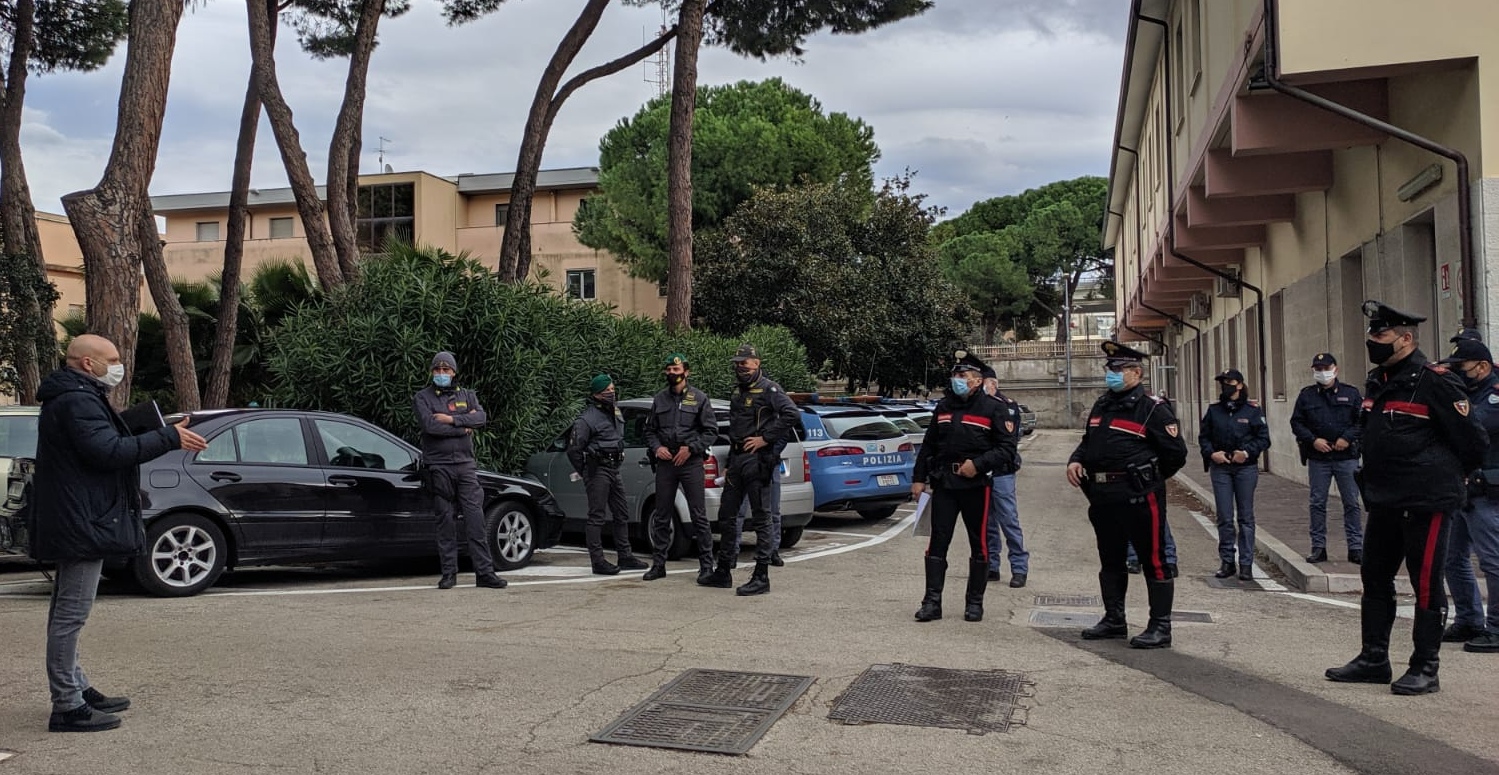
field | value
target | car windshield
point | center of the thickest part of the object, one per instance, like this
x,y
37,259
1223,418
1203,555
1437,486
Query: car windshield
x,y
906,424
922,420
861,427
18,435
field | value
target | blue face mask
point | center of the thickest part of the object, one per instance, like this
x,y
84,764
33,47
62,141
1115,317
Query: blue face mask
x,y
1115,380
442,380
960,386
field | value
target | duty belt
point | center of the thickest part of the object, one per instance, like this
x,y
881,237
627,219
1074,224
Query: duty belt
x,y
609,459
1109,477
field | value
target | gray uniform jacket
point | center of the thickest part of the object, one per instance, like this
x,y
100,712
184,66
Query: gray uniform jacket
x,y
443,443
595,432
679,420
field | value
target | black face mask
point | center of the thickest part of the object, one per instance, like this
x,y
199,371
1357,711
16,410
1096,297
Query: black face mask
x,y
1227,393
673,380
745,375
606,399
1469,382
1379,352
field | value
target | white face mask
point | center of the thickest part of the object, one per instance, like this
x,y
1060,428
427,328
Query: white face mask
x,y
1325,377
114,375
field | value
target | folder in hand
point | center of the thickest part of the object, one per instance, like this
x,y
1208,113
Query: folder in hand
x,y
144,417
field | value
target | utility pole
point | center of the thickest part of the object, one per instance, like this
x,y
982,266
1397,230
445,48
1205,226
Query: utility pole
x,y
1066,323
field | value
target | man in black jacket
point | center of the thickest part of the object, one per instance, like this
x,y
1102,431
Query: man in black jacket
x,y
678,434
1325,423
1131,446
86,509
1232,437
596,450
966,445
1420,441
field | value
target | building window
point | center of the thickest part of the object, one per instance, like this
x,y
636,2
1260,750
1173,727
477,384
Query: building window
x,y
281,228
208,231
580,284
384,213
661,289
501,214
75,310
1278,345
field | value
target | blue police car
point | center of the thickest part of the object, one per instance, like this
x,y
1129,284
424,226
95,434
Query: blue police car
x,y
859,459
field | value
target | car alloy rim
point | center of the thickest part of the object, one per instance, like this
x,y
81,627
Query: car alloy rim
x,y
184,556
512,534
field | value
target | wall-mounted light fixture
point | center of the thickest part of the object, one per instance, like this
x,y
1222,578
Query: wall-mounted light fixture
x,y
1417,185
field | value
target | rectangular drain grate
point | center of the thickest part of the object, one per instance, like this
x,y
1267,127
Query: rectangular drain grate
x,y
1201,617
717,711
1232,582
1065,618
1070,601
977,701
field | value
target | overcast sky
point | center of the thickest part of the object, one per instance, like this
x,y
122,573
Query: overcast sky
x,y
980,97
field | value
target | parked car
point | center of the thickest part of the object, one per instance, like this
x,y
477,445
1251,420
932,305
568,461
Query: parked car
x,y
278,487
859,459
17,435
1027,420
551,467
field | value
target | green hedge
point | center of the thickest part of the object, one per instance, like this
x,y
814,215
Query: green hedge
x,y
525,349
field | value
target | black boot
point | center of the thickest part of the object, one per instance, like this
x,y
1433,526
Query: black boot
x,y
722,577
1372,665
759,582
704,571
1157,633
1421,677
936,576
973,598
1225,570
1113,587
775,559
656,572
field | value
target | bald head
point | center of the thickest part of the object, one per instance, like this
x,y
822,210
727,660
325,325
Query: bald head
x,y
92,354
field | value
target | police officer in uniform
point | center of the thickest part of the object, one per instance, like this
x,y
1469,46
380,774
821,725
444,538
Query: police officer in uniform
x,y
596,450
448,415
678,433
1420,441
965,445
761,416
1475,528
1131,446
1232,437
1004,529
1326,425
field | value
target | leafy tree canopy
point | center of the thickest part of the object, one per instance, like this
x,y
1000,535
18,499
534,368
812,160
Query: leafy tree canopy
x,y
77,35
766,28
326,28
745,135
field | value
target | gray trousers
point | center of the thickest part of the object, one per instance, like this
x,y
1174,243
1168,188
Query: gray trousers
x,y
606,503
688,477
748,477
72,599
455,492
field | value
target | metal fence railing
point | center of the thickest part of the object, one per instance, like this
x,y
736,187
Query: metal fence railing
x,y
1081,348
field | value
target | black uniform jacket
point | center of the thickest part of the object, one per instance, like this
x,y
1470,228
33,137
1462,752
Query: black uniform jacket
x,y
443,443
1421,437
1129,429
975,427
1227,430
681,420
598,431
762,409
1328,413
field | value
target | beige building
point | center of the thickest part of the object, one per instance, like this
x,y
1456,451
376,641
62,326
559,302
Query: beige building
x,y
459,214
1307,148
64,263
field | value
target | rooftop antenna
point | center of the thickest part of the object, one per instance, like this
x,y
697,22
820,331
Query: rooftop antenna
x,y
383,165
658,68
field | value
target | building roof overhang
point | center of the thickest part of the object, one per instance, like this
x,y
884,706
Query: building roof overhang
x,y
1141,50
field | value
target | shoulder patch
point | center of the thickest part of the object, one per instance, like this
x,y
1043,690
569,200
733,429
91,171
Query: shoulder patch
x,y
1254,402
1158,399
1437,367
1461,407
1494,398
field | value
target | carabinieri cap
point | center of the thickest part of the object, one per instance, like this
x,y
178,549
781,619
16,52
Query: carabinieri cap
x,y
1383,317
1117,354
962,360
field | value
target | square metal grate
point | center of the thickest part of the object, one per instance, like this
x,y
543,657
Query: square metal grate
x,y
977,701
1042,618
1069,601
717,711
1232,582
1200,617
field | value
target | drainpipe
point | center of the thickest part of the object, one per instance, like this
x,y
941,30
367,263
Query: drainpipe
x,y
1171,222
1200,398
1153,339
1464,190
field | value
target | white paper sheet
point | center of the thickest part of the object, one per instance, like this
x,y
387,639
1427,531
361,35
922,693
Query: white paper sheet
x,y
923,525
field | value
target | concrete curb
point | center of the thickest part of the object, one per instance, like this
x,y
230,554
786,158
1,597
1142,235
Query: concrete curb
x,y
1303,575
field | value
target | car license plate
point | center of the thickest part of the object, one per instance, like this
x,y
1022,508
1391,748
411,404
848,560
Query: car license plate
x,y
889,480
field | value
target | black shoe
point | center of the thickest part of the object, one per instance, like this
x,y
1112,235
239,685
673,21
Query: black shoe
x,y
1225,569
1017,580
1362,670
631,562
1246,573
931,602
82,719
1417,680
1157,635
448,581
1487,643
759,582
1461,633
491,581
605,568
994,574
721,577
103,704
973,597
1133,566
656,572
1319,554
775,560
1356,556
1107,629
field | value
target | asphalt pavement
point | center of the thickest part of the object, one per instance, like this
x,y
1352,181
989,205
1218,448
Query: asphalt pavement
x,y
361,670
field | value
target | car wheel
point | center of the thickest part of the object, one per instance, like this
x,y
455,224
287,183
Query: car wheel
x,y
512,535
790,537
185,554
876,513
1027,431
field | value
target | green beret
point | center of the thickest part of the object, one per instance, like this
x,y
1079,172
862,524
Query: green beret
x,y
676,359
599,384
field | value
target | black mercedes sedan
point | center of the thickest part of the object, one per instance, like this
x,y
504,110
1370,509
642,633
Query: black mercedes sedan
x,y
285,487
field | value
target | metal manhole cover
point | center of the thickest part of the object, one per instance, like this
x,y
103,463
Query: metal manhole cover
x,y
1064,618
977,701
1076,601
1192,616
1233,582
717,711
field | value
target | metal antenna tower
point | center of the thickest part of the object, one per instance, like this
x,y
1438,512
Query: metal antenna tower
x,y
658,67
381,148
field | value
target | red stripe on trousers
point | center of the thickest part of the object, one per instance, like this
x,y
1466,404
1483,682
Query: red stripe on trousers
x,y
1423,585
1155,537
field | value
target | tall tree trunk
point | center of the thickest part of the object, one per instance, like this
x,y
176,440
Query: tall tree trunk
x,y
173,319
304,189
226,329
106,218
517,238
17,214
679,168
343,149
